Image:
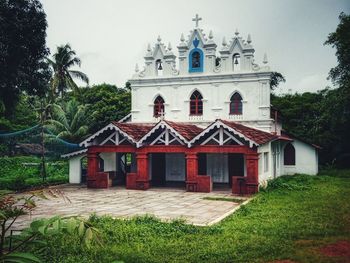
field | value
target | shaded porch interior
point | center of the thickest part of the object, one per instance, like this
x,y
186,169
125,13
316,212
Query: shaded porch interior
x,y
169,169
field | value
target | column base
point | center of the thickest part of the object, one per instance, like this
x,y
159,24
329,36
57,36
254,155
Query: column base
x,y
133,183
98,180
239,185
252,188
202,183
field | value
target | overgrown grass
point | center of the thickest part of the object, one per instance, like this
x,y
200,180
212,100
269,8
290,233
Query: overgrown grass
x,y
291,219
23,172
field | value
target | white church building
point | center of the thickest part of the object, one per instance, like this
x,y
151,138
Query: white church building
x,y
200,119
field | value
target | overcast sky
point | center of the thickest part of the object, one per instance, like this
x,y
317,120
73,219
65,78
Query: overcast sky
x,y
111,36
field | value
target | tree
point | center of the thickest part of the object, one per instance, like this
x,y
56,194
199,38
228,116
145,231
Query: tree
x,y
275,79
340,39
337,107
105,103
69,121
62,79
22,51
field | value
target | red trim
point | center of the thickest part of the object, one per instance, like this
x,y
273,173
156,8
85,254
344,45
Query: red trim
x,y
173,149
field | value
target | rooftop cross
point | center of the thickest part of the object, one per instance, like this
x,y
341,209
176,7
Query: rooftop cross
x,y
162,114
196,19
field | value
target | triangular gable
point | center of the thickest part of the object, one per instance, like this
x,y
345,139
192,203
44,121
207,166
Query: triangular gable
x,y
221,124
166,134
196,33
159,48
236,42
121,132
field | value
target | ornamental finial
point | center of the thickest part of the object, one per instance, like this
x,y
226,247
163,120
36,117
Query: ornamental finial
x,y
169,47
137,68
265,61
159,39
211,34
236,33
249,39
149,47
224,43
182,39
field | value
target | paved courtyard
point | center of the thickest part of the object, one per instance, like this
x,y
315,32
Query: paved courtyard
x,y
119,202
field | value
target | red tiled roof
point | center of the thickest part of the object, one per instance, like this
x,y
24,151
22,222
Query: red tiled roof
x,y
258,136
291,137
186,130
134,130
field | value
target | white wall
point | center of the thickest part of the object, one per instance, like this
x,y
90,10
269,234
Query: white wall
x,y
75,169
176,93
265,175
110,161
306,159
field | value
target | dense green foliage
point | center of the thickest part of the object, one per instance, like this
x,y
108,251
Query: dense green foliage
x,y
105,103
18,173
291,219
22,51
68,121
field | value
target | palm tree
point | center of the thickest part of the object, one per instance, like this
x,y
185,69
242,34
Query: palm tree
x,y
68,121
62,79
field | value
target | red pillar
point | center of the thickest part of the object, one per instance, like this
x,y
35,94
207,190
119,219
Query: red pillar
x,y
92,164
252,166
142,179
191,172
96,179
195,182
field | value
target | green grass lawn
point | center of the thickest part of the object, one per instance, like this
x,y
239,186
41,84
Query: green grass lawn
x,y
292,219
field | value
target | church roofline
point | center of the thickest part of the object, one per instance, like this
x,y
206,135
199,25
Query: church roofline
x,y
222,77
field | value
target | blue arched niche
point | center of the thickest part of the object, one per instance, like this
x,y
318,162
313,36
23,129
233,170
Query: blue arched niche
x,y
195,59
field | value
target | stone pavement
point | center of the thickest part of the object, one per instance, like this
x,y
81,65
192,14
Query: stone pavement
x,y
164,203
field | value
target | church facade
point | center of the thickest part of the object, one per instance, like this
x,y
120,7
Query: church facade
x,y
201,119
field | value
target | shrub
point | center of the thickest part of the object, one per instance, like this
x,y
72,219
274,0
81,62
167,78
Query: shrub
x,y
290,182
15,175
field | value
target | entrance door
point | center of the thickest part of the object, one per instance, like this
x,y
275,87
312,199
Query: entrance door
x,y
158,169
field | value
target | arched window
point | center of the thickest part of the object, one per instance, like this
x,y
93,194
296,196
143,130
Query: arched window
x,y
196,103
236,104
289,154
196,60
158,107
236,62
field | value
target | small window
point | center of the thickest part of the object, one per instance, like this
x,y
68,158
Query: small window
x,y
196,103
236,104
158,108
289,154
266,162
